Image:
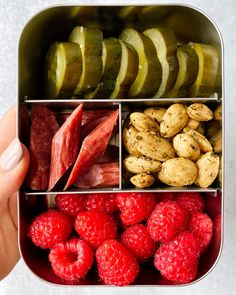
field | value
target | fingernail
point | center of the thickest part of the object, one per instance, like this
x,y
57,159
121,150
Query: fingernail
x,y
11,156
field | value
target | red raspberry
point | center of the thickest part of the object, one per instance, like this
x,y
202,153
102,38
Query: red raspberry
x,y
213,204
50,228
216,239
177,260
138,241
116,265
71,204
71,260
193,202
167,220
103,202
135,207
202,227
95,227
165,197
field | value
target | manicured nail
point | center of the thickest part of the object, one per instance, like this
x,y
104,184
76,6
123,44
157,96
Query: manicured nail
x,y
11,156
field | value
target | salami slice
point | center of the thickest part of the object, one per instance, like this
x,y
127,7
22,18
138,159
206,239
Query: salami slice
x,y
65,146
87,116
43,128
111,154
100,175
94,145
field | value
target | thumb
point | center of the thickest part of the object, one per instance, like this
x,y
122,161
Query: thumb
x,y
14,162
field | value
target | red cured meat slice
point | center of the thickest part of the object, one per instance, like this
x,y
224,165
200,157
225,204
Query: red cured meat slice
x,y
87,116
94,145
65,146
100,175
43,127
91,115
86,129
111,154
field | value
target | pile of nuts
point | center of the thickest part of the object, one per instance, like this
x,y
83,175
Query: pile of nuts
x,y
178,146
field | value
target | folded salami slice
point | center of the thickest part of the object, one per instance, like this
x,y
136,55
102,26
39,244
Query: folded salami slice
x,y
100,175
65,146
88,116
43,128
93,146
111,154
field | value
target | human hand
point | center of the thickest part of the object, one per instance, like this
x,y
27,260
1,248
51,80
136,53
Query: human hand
x,y
14,162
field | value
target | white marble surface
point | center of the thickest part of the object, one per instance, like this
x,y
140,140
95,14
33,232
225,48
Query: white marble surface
x,y
13,17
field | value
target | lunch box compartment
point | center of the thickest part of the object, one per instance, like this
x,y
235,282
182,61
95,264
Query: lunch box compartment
x,y
55,24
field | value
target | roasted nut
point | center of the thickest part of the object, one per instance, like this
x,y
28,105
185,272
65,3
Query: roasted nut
x,y
153,146
208,169
143,123
218,113
174,120
142,180
203,143
186,147
199,112
178,172
135,165
212,128
155,113
129,140
192,124
216,142
201,128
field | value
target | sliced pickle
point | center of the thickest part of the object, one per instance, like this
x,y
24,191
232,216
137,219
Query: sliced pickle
x,y
86,16
165,43
127,72
152,13
208,70
63,69
111,57
149,71
90,41
188,69
129,12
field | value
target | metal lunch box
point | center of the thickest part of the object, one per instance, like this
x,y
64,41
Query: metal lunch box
x,y
55,24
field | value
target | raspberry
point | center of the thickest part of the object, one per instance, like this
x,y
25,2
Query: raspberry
x,y
135,207
71,260
213,204
138,241
177,259
216,239
49,228
165,197
202,227
103,202
167,220
95,227
193,202
71,204
116,265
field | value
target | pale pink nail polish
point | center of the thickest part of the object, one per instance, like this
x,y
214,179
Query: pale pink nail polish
x,y
11,156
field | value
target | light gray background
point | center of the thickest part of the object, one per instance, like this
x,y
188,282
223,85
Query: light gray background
x,y
13,17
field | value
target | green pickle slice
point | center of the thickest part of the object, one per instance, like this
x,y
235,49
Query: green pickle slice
x,y
63,68
188,69
149,72
208,71
111,57
90,42
127,72
129,12
165,43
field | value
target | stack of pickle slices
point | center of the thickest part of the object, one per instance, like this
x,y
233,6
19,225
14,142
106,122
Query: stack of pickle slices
x,y
148,64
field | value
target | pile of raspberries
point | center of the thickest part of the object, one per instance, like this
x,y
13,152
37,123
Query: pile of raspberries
x,y
118,232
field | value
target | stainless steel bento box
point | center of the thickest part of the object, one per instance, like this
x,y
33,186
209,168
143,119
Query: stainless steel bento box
x,y
55,23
